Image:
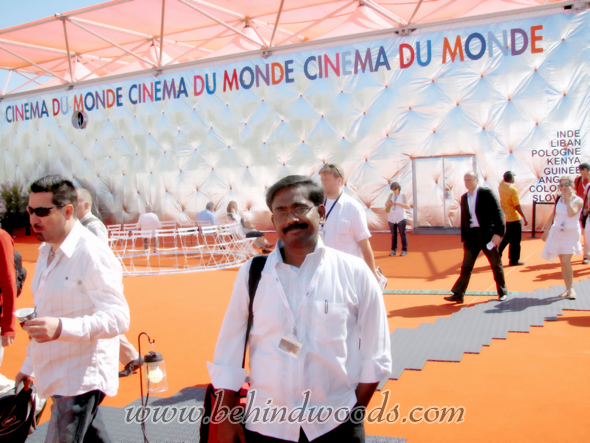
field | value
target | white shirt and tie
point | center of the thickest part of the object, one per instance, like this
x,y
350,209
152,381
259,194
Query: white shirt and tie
x,y
332,304
83,286
471,202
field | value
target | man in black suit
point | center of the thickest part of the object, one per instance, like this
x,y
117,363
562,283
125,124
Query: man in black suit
x,y
482,227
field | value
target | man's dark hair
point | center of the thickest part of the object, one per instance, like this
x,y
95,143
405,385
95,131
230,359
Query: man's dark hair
x,y
210,206
508,176
314,191
585,166
63,190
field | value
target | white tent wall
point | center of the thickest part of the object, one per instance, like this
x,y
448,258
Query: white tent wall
x,y
508,109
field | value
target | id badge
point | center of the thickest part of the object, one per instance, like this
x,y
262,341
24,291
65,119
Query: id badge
x,y
290,346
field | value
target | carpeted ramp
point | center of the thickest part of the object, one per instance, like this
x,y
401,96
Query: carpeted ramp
x,y
466,331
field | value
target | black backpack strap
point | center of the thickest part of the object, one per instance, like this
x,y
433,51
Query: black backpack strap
x,y
21,273
256,268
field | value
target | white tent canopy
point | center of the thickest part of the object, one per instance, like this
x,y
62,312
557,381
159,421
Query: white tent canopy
x,y
126,36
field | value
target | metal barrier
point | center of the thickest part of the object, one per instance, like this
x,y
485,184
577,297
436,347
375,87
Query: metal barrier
x,y
534,226
181,250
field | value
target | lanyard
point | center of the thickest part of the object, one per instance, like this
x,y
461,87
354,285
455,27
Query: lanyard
x,y
303,302
333,204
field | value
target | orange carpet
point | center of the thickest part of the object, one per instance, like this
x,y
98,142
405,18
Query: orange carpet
x,y
529,388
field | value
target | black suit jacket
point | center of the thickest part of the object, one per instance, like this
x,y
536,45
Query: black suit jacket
x,y
488,212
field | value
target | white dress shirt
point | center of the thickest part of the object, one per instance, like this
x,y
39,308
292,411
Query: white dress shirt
x,y
471,201
346,226
97,228
83,286
334,305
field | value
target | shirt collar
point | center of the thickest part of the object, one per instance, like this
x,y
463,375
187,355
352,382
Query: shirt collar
x,y
340,197
87,216
69,244
474,192
276,254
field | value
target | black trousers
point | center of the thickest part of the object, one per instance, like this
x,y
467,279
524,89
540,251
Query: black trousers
x,y
402,233
347,432
512,238
471,249
77,419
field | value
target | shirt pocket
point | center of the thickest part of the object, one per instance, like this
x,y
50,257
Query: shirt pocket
x,y
330,321
70,298
344,230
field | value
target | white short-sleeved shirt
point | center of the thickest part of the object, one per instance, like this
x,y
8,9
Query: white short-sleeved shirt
x,y
346,225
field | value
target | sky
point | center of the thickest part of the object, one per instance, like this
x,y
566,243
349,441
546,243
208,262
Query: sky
x,y
18,12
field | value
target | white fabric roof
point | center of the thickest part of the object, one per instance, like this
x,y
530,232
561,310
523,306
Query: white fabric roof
x,y
123,36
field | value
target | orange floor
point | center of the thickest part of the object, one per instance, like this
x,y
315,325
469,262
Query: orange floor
x,y
529,388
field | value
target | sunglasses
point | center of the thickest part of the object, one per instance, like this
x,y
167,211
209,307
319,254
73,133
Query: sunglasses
x,y
565,184
42,212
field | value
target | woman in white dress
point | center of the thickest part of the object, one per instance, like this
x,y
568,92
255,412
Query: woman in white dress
x,y
563,238
397,219
234,215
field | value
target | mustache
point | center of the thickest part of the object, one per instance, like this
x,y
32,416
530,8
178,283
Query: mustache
x,y
295,226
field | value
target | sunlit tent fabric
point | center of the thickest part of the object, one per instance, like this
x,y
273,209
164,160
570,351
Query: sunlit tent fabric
x,y
114,34
216,102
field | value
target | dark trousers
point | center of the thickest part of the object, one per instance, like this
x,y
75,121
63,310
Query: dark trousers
x,y
471,249
512,238
402,233
347,432
77,419
146,243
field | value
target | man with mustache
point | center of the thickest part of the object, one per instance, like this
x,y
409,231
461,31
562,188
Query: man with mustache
x,y
81,311
319,326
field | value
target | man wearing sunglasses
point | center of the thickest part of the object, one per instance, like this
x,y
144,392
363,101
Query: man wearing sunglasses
x,y
319,326
81,311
